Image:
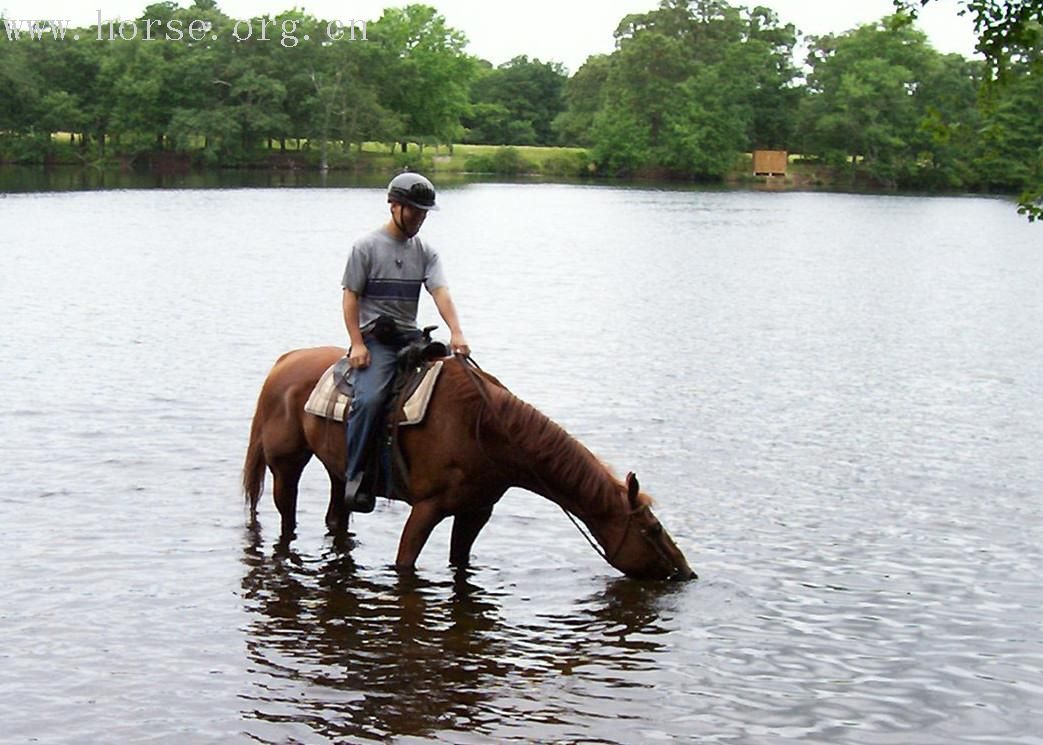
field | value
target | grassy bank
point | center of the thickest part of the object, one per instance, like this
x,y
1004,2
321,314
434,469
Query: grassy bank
x,y
370,157
519,160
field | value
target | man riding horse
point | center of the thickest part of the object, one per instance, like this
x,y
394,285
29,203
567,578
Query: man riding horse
x,y
475,441
381,284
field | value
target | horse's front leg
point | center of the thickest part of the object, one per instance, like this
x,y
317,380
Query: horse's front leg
x,y
423,518
466,527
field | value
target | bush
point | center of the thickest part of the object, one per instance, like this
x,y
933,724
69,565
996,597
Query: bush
x,y
30,148
505,161
414,161
567,164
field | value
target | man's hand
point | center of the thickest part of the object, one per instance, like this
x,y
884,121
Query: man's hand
x,y
358,356
458,345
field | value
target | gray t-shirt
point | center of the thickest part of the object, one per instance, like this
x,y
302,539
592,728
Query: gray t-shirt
x,y
386,274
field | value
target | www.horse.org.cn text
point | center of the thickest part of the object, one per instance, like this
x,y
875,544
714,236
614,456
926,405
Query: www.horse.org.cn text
x,y
285,31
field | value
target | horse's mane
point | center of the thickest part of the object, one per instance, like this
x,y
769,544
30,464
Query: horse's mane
x,y
557,458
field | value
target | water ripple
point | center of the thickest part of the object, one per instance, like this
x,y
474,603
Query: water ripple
x,y
840,424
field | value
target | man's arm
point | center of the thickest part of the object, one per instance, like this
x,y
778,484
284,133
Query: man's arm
x,y
358,355
446,308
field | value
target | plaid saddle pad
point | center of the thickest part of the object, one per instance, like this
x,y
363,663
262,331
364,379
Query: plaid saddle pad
x,y
327,400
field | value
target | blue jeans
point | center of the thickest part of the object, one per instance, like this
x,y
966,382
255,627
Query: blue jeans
x,y
371,387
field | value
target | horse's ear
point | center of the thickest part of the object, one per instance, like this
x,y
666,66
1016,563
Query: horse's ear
x,y
632,488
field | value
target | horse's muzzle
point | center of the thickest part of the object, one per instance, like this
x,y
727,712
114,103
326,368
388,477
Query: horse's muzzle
x,y
682,574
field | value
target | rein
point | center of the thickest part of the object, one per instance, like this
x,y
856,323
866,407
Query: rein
x,y
594,544
480,385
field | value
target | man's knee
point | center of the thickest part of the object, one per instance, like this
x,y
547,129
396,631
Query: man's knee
x,y
365,403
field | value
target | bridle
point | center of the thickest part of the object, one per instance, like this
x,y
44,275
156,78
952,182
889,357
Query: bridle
x,y
609,556
656,527
650,533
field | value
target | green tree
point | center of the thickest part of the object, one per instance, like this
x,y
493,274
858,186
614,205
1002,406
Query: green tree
x,y
489,124
198,88
621,141
1010,36
20,100
699,81
139,113
644,79
1010,152
253,84
427,74
331,96
584,97
950,122
707,129
864,104
532,94
766,61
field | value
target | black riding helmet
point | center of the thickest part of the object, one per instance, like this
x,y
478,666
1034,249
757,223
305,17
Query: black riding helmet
x,y
412,189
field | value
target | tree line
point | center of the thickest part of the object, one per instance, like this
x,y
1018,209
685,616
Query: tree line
x,y
689,87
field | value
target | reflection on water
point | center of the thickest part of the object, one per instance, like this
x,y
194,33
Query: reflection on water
x,y
70,178
348,655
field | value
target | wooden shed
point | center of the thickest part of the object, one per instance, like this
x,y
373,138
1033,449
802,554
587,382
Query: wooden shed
x,y
770,162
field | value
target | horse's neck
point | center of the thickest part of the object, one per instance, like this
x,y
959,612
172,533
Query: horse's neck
x,y
545,459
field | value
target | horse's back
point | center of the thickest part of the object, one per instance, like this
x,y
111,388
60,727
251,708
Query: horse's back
x,y
307,364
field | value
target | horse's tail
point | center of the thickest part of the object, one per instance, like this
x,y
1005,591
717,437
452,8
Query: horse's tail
x,y
253,468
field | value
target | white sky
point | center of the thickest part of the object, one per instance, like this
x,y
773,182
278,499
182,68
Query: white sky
x,y
565,31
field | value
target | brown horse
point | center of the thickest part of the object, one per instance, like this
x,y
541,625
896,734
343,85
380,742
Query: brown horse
x,y
476,441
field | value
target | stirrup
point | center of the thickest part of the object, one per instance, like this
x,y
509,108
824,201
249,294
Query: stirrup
x,y
355,498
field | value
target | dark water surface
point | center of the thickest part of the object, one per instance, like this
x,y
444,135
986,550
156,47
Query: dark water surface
x,y
837,402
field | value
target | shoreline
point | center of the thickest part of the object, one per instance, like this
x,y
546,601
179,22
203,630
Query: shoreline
x,y
450,164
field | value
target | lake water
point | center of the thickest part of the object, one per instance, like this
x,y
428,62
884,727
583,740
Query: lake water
x,y
836,400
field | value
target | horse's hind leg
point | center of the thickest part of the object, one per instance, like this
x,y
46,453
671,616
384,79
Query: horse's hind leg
x,y
286,472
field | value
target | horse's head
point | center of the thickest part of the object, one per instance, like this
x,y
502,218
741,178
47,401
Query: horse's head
x,y
642,548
